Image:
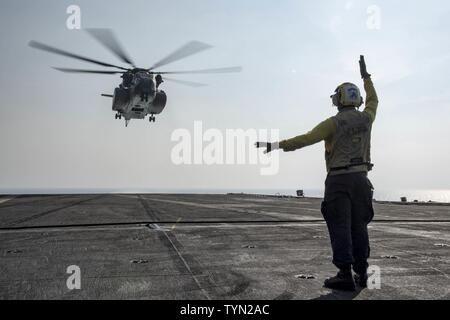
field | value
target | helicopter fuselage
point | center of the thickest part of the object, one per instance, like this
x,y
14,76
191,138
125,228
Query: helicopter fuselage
x,y
138,96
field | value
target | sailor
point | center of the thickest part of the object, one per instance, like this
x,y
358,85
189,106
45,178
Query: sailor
x,y
347,205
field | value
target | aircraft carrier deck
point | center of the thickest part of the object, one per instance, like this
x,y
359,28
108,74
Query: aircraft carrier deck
x,y
181,246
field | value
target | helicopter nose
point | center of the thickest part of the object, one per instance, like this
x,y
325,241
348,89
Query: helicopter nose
x,y
146,85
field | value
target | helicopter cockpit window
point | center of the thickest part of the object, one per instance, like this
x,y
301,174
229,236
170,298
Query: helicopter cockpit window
x,y
127,79
138,77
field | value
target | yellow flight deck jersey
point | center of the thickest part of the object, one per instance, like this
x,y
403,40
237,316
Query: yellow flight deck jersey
x,y
326,130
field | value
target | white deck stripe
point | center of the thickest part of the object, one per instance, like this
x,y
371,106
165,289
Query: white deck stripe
x,y
5,200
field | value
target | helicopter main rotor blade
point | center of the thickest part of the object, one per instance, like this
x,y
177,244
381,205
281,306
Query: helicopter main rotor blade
x,y
203,71
187,83
188,49
44,47
87,71
107,38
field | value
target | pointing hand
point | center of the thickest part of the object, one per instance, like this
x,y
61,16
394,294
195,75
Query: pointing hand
x,y
270,146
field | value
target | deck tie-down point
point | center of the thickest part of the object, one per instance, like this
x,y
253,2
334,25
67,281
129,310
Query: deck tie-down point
x,y
389,257
305,276
14,251
140,261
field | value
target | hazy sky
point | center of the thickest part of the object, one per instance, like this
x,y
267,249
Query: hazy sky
x,y
56,131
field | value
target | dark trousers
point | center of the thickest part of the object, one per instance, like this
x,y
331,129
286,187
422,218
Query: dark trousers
x,y
347,209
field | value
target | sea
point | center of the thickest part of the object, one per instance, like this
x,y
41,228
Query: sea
x,y
421,195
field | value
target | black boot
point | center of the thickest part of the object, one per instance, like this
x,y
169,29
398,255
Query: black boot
x,y
342,281
361,280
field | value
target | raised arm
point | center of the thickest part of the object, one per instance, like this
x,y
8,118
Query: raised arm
x,y
327,128
371,94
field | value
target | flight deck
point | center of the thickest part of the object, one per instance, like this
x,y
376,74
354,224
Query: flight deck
x,y
198,246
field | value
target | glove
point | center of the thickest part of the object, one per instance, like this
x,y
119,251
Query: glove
x,y
362,68
270,146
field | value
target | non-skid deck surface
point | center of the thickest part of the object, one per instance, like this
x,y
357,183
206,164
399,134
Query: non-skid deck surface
x,y
173,246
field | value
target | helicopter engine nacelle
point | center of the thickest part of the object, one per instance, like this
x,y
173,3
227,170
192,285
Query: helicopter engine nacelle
x,y
121,97
159,102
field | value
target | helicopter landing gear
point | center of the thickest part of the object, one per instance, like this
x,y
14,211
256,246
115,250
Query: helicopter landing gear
x,y
151,118
118,116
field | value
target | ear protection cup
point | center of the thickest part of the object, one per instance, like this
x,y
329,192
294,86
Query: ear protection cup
x,y
335,98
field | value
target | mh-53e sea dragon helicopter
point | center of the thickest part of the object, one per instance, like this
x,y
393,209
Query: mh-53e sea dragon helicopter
x,y
139,93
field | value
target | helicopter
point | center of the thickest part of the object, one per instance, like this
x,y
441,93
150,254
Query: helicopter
x,y
138,95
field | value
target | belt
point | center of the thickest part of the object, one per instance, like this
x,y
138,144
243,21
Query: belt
x,y
348,166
